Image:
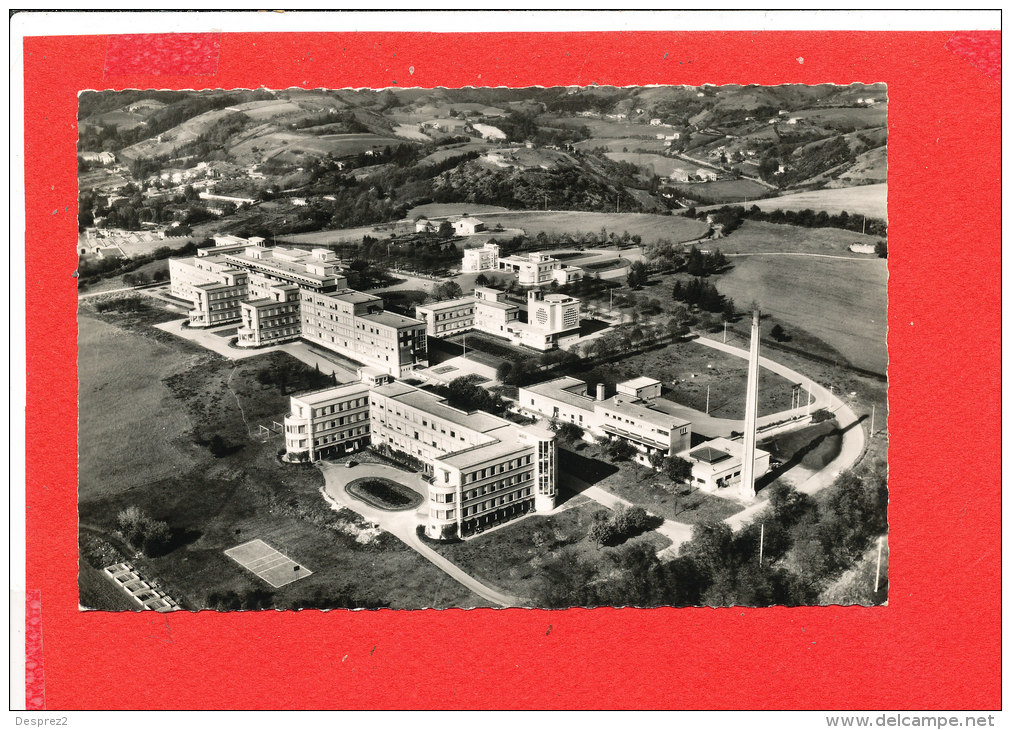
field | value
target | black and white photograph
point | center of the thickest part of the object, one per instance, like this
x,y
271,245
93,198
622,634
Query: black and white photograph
x,y
430,348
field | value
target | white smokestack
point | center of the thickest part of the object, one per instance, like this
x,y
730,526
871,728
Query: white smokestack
x,y
747,487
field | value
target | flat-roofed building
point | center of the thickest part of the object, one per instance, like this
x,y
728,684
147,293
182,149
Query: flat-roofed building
x,y
326,423
214,287
446,318
717,464
281,294
467,226
532,269
648,423
482,468
480,259
272,319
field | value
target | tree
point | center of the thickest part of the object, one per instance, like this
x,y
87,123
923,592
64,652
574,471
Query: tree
x,y
620,450
446,230
568,432
638,275
677,469
481,280
656,459
881,249
447,290
778,333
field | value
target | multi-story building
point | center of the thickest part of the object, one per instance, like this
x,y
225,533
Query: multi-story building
x,y
718,463
280,294
327,422
479,469
480,259
446,318
635,413
532,269
552,318
213,285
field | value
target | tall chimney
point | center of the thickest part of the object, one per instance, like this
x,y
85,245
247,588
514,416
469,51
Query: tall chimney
x,y
747,486
600,391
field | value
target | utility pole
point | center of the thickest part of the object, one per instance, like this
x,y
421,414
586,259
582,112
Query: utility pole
x,y
724,332
873,406
761,546
808,399
464,345
707,400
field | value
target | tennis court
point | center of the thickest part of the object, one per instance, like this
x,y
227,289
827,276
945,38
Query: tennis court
x,y
267,563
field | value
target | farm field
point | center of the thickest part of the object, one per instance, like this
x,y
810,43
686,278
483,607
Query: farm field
x,y
869,200
179,135
606,129
105,460
445,153
859,117
273,144
657,164
439,210
411,132
729,191
851,295
763,237
344,235
266,109
650,227
155,403
620,144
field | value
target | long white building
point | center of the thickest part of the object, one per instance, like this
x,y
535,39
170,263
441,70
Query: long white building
x,y
480,469
635,413
551,318
278,294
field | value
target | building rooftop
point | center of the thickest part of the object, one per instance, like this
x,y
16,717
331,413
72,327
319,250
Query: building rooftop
x,y
497,305
651,412
389,319
355,297
709,455
641,382
446,304
318,397
436,406
504,442
566,390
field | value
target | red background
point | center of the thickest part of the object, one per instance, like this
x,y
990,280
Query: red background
x,y
936,646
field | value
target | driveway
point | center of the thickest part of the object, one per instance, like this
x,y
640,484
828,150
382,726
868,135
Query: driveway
x,y
403,524
853,440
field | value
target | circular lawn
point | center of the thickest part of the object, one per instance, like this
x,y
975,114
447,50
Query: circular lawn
x,y
384,494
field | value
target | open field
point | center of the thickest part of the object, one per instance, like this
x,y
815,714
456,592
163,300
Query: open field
x,y
622,144
267,109
657,164
213,503
439,210
105,461
729,191
763,237
273,144
343,235
510,557
869,200
650,227
851,297
859,117
444,153
606,128
179,135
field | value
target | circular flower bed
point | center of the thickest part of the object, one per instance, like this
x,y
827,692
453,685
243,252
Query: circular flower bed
x,y
384,494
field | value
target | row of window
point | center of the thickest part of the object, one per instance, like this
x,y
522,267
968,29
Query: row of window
x,y
342,436
476,476
353,418
338,407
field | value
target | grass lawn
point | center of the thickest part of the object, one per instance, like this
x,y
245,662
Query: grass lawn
x,y
763,237
650,227
851,297
729,191
688,363
812,447
509,558
644,487
869,200
492,346
145,410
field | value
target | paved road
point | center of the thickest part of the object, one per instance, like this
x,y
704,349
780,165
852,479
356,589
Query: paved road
x,y
853,440
815,255
403,524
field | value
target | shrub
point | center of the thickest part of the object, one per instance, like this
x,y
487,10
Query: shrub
x,y
143,532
